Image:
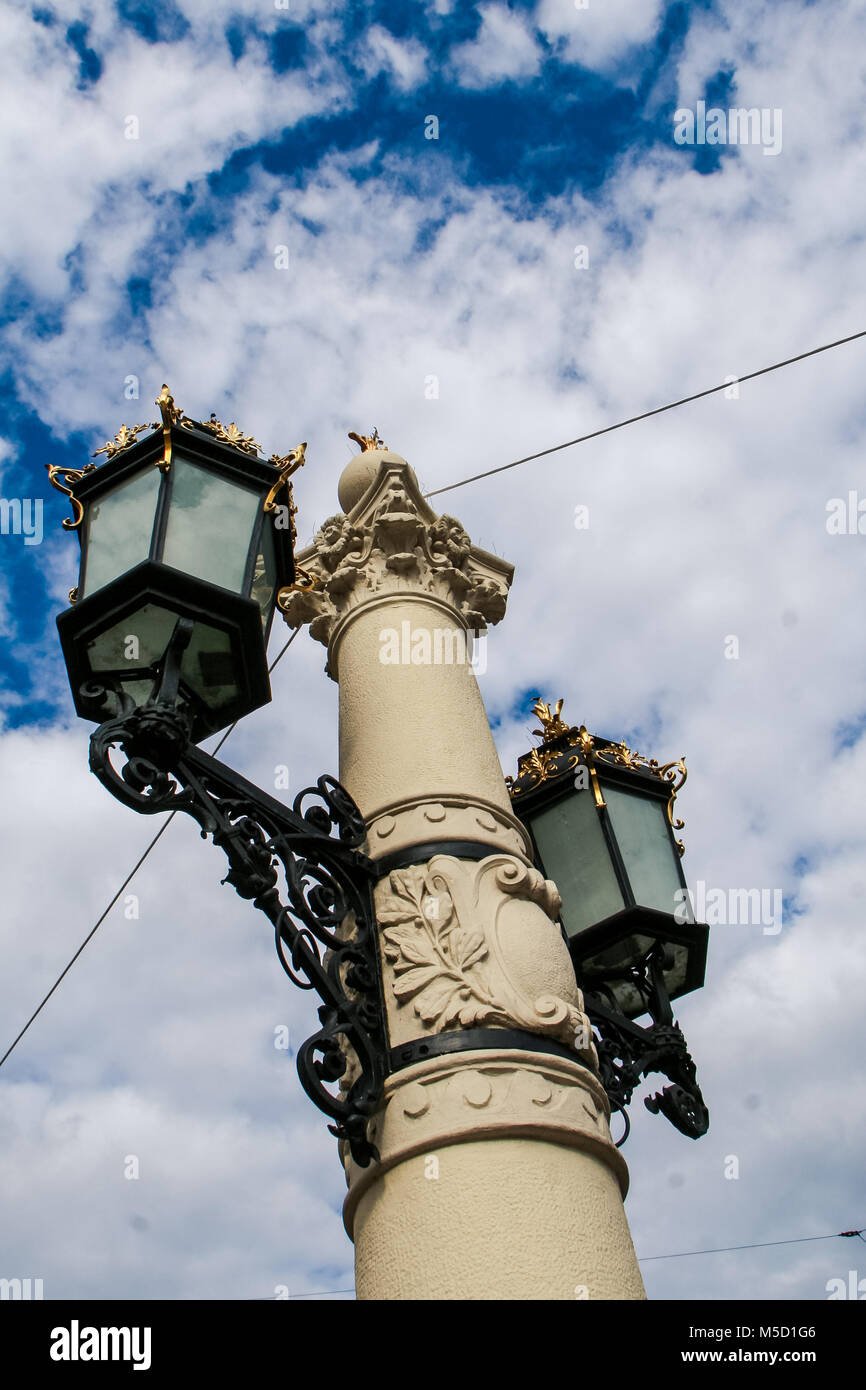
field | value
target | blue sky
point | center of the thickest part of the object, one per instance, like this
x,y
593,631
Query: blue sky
x,y
552,128
155,158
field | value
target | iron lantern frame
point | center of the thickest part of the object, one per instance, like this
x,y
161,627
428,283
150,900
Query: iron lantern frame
x,y
627,1051
152,581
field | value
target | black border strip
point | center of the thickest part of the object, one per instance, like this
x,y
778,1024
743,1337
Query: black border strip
x,y
474,1039
419,854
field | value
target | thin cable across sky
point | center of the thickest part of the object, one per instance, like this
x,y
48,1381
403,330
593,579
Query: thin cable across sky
x,y
645,415
129,877
645,1259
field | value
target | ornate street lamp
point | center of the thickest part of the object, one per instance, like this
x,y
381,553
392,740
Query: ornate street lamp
x,y
460,1022
186,546
184,531
602,823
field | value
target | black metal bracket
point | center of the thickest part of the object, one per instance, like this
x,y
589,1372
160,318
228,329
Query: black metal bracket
x,y
628,1052
324,933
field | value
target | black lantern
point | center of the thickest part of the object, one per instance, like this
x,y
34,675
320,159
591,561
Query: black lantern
x,y
181,533
602,824
601,819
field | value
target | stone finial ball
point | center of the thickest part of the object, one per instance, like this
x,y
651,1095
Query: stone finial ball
x,y
360,474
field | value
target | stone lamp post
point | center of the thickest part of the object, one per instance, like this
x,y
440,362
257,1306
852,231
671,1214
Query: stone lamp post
x,y
496,1177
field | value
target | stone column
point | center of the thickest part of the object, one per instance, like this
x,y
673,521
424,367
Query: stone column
x,y
497,1178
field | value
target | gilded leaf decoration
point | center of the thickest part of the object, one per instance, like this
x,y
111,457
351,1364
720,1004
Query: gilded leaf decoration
x,y
230,434
549,719
126,436
553,759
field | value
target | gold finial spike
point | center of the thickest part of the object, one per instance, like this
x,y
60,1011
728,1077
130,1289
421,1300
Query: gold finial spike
x,y
287,464
551,724
167,407
170,413
366,442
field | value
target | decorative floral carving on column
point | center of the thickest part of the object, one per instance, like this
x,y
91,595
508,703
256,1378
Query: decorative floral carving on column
x,y
397,544
449,960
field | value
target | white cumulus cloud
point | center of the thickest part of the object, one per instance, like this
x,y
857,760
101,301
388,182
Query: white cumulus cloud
x,y
403,59
504,50
599,34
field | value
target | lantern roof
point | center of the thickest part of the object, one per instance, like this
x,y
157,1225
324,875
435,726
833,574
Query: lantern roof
x,y
132,444
565,747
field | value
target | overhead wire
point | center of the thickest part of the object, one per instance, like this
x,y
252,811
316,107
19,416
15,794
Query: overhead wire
x,y
757,1245
645,1259
129,877
645,415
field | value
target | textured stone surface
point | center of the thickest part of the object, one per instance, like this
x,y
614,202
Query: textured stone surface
x,y
503,1219
408,731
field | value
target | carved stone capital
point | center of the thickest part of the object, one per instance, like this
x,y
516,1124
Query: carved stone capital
x,y
393,542
485,1095
472,944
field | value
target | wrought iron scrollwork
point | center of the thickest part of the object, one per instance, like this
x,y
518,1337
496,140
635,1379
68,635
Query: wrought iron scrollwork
x,y
324,933
628,1052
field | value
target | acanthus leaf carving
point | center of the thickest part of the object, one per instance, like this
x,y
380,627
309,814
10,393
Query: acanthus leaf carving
x,y
447,958
397,545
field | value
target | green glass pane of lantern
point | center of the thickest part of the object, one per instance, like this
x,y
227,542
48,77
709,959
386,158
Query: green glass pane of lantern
x,y
208,666
575,855
265,574
138,640
210,522
119,527
643,835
